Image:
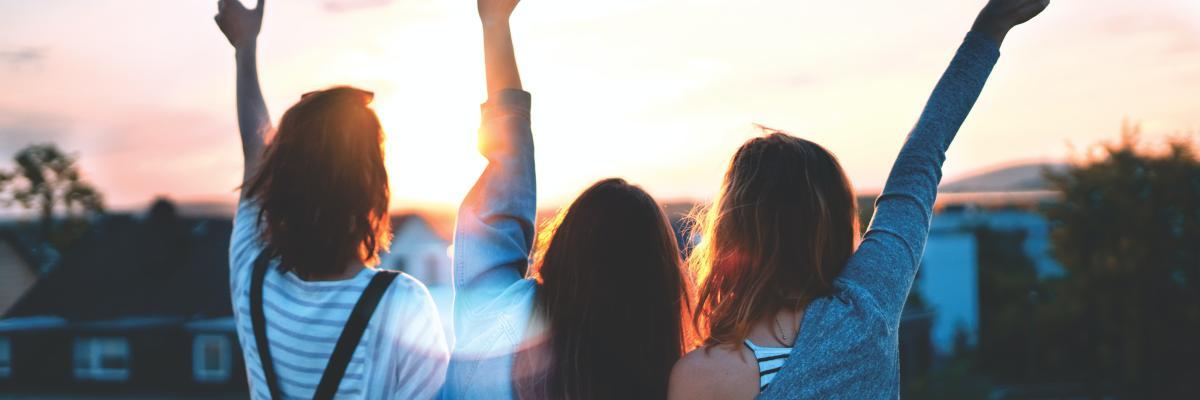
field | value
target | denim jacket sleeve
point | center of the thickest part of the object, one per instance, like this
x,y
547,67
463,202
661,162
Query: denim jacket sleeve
x,y
495,226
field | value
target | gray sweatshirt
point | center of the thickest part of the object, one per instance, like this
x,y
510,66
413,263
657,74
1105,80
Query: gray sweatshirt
x,y
848,344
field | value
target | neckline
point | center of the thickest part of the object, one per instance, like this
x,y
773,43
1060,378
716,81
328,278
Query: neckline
x,y
757,347
800,331
361,275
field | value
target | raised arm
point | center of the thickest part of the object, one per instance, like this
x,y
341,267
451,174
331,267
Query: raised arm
x,y
241,26
495,226
887,260
498,55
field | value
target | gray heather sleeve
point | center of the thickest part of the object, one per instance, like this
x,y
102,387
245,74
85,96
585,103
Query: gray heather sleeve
x,y
887,259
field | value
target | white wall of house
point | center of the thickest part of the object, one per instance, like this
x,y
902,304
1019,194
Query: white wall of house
x,y
949,279
418,250
948,284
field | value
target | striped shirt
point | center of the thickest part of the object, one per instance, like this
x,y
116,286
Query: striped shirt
x,y
403,352
770,361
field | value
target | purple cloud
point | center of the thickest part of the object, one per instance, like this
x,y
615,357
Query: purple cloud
x,y
20,57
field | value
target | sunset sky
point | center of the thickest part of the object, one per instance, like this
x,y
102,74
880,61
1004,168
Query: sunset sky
x,y
658,91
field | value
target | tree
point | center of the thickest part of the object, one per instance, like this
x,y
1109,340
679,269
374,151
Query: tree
x,y
46,179
1007,279
1128,233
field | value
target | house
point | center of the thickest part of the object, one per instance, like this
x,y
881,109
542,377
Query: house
x,y
948,281
138,305
1002,199
23,257
421,248
17,273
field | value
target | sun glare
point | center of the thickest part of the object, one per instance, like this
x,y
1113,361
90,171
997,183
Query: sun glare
x,y
431,155
428,107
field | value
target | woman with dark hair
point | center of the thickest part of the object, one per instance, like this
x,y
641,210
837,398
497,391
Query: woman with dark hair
x,y
794,305
314,318
601,311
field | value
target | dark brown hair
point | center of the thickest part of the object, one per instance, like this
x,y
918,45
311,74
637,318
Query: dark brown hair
x,y
322,186
615,296
782,227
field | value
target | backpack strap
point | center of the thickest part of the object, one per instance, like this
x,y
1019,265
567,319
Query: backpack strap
x,y
259,321
344,349
352,333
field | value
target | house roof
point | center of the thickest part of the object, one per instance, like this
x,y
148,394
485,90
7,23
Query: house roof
x,y
129,324
440,224
219,324
30,323
126,266
35,253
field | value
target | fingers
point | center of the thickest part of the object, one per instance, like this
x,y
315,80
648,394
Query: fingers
x,y
1032,8
221,4
224,5
1035,4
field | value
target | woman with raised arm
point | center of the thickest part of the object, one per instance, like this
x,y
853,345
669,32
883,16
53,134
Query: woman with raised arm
x,y
314,318
600,313
795,306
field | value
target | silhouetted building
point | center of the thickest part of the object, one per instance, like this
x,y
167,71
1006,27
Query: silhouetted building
x,y
139,304
948,282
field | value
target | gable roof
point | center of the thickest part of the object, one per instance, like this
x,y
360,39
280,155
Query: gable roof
x,y
124,266
440,224
35,253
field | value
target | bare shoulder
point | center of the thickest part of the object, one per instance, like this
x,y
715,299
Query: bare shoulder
x,y
714,372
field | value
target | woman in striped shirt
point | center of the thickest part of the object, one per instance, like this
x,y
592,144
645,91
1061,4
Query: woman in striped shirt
x,y
315,320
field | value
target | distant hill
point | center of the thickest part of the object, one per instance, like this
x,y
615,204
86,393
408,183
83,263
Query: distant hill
x,y
205,208
1016,178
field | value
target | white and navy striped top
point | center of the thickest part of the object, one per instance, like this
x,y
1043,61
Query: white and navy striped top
x,y
770,361
403,352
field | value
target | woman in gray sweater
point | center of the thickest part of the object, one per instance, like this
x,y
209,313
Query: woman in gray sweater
x,y
798,305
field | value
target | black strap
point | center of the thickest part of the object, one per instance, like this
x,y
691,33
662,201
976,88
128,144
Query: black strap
x,y
259,321
352,333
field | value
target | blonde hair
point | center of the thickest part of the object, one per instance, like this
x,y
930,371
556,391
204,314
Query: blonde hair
x,y
782,227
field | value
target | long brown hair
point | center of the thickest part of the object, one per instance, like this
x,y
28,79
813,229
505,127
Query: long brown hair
x,y
782,227
322,187
614,294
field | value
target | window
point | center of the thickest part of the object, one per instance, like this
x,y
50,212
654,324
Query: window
x,y
5,357
211,358
102,359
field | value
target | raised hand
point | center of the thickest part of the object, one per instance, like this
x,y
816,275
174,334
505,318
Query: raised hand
x,y
496,11
999,16
239,24
498,54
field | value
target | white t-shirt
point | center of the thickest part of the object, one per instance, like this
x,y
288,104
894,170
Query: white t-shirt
x,y
402,354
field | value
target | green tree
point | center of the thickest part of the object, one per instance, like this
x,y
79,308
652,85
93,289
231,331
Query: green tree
x,y
47,180
1008,286
1128,232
